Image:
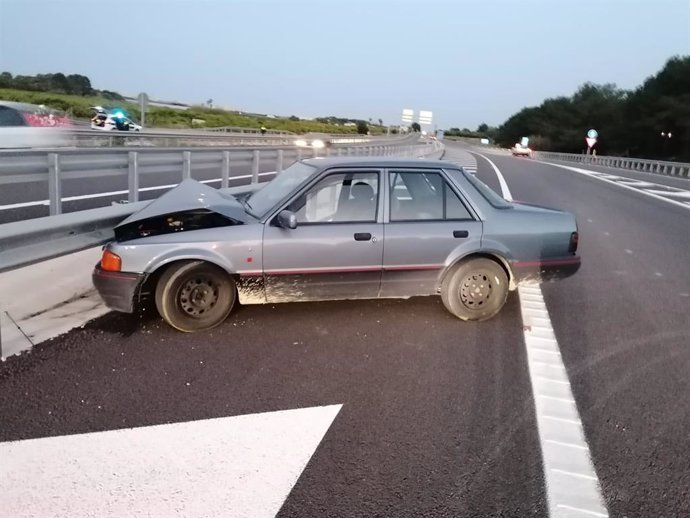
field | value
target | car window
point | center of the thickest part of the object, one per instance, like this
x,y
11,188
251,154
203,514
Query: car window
x,y
496,200
263,200
339,197
10,117
419,196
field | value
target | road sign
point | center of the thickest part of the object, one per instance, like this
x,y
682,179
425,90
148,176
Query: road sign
x,y
524,141
425,117
143,106
407,115
592,134
591,141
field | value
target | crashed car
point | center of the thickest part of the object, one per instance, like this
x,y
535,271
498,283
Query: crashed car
x,y
329,229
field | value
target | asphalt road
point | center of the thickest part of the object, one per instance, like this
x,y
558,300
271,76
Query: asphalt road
x,y
622,326
437,416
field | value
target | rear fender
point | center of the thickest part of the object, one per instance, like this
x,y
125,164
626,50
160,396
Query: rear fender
x,y
497,253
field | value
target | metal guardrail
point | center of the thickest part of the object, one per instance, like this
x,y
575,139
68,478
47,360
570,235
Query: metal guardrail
x,y
38,239
173,138
87,138
635,164
56,166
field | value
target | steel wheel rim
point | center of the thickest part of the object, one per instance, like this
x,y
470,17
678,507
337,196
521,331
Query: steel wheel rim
x,y
198,295
476,290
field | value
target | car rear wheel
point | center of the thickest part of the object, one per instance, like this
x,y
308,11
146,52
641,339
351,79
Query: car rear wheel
x,y
476,289
196,295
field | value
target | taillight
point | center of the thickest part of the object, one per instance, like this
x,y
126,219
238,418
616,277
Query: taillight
x,y
111,262
574,238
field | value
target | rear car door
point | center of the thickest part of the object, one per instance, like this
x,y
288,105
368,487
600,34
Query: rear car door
x,y
428,223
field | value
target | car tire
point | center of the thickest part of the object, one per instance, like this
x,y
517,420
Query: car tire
x,y
195,295
475,289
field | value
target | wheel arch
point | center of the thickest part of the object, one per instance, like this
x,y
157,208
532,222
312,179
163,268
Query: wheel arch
x,y
156,269
486,254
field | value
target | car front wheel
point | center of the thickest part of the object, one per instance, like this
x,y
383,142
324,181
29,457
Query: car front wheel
x,y
195,295
476,289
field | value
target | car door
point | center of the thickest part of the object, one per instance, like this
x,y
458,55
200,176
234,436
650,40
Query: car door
x,y
336,250
427,225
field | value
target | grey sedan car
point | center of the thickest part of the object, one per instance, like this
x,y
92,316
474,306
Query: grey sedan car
x,y
333,229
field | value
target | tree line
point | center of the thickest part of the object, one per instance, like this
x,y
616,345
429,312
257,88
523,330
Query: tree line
x,y
72,84
651,121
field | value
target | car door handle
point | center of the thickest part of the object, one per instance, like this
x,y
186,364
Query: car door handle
x,y
362,236
460,233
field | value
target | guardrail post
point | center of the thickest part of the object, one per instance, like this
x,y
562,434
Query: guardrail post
x,y
314,152
133,177
54,186
279,164
299,153
186,165
255,166
225,170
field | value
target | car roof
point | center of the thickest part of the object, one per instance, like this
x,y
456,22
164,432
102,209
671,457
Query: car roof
x,y
19,106
344,161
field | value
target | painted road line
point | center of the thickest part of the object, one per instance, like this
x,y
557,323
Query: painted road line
x,y
243,466
118,193
572,486
623,182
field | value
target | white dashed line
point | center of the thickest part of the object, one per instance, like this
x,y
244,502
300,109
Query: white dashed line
x,y
584,511
571,482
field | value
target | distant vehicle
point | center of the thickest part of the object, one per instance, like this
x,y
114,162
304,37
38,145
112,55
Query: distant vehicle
x,y
519,150
24,125
334,229
114,120
322,140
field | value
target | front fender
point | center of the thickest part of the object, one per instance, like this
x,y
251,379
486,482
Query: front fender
x,y
189,254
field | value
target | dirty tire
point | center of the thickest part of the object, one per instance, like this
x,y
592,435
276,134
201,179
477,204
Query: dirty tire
x,y
195,295
476,289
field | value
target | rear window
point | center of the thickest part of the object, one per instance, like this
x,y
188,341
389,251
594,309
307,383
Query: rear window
x,y
10,117
496,200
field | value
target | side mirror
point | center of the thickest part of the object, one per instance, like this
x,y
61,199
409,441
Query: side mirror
x,y
287,219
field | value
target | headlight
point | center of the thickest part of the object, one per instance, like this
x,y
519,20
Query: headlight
x,y
300,142
318,143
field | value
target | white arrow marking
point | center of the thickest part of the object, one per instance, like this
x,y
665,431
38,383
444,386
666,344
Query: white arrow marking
x,y
242,466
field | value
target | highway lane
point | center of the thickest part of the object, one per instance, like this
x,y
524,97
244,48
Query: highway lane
x,y
642,176
623,329
437,417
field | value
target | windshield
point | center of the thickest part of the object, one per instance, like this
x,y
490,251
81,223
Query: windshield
x,y
262,201
487,192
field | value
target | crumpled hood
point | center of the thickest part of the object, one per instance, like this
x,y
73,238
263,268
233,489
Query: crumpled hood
x,y
190,195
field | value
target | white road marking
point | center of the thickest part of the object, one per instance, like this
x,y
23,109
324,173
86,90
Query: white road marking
x,y
243,466
561,399
117,193
579,475
628,251
564,448
660,192
568,445
562,419
584,511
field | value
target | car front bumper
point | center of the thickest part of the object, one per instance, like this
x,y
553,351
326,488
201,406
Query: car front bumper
x,y
546,270
117,289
